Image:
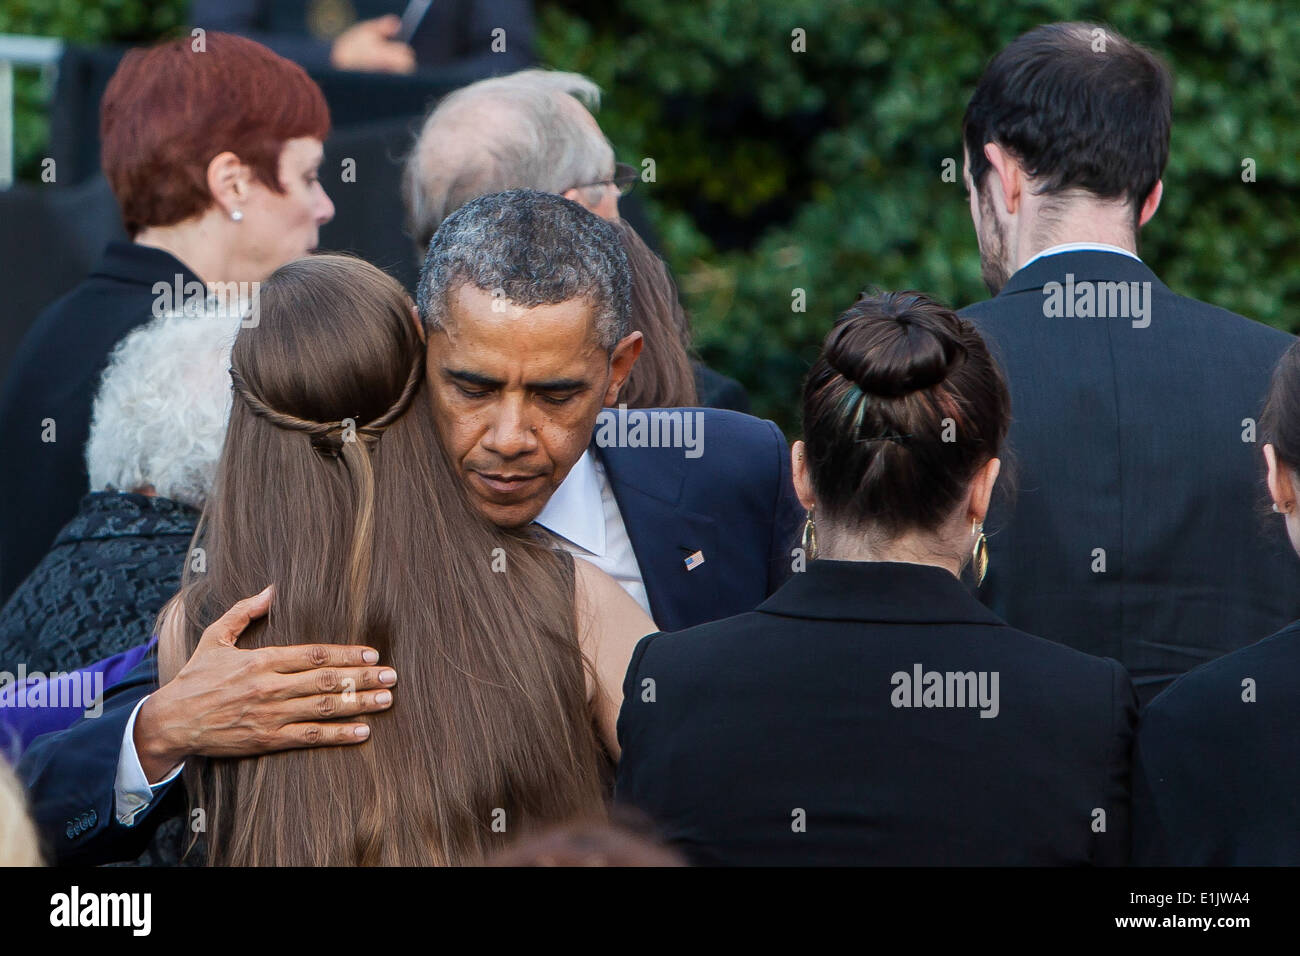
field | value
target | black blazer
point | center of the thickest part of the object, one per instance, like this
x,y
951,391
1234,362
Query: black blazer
x,y
55,375
1216,776
738,733
1129,445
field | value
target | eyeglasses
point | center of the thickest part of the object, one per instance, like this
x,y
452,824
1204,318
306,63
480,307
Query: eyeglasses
x,y
625,177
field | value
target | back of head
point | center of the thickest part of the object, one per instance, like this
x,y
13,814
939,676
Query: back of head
x,y
333,486
169,109
159,418
662,376
532,248
1081,107
527,130
1279,423
901,408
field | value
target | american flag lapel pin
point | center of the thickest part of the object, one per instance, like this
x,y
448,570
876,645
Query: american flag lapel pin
x,y
694,561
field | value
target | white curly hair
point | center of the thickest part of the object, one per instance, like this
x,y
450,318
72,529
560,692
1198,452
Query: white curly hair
x,y
160,415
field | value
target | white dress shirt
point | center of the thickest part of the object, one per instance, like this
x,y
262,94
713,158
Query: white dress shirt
x,y
132,791
582,513
1080,247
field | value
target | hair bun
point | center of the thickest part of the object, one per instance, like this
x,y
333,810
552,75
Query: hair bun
x,y
893,353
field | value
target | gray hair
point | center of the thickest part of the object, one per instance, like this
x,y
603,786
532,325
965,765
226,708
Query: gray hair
x,y
160,415
525,130
532,248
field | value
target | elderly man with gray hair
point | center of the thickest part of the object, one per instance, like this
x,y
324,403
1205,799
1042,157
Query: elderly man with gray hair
x,y
156,432
534,130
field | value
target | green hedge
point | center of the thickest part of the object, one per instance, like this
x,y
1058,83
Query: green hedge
x,y
824,166
890,84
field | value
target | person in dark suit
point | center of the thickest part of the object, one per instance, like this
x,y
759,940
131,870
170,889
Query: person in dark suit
x,y
250,211
691,511
375,35
1216,766
872,711
1132,534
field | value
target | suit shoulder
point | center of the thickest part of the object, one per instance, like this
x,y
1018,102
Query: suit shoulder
x,y
725,638
1220,683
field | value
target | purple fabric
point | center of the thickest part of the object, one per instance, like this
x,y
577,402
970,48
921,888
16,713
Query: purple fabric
x,y
34,705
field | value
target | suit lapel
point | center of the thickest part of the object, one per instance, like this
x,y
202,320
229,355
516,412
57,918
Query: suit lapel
x,y
663,535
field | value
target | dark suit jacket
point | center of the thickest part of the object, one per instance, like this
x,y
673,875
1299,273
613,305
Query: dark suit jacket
x,y
786,715
1216,777
734,503
1129,441
715,390
55,375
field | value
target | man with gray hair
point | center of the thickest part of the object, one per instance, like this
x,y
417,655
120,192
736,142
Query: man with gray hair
x,y
524,307
524,299
527,130
157,426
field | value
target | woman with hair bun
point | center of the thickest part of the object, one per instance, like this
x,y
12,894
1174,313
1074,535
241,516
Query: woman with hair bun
x,y
872,711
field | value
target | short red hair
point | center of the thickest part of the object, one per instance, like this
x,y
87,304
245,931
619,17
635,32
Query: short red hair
x,y
169,109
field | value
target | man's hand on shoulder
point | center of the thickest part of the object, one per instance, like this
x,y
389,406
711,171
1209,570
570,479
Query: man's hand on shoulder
x,y
231,702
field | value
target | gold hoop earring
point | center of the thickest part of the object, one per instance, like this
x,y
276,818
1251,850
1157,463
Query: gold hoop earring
x,y
979,553
810,536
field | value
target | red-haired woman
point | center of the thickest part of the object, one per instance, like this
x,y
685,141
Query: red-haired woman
x,y
212,148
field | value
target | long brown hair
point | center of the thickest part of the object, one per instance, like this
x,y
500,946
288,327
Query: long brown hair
x,y
334,487
662,376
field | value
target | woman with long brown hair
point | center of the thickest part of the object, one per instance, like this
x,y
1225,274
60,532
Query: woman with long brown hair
x,y
333,486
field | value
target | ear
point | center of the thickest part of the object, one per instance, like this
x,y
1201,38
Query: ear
x,y
802,477
620,365
577,195
1010,176
1152,203
981,489
419,326
1281,488
228,181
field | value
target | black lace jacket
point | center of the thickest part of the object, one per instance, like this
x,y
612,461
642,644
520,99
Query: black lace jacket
x,y
99,589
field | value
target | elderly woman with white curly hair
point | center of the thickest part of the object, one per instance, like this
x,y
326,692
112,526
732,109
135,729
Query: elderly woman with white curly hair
x,y
158,424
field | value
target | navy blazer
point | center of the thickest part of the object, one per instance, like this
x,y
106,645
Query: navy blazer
x,y
735,504
779,736
1135,531
1216,768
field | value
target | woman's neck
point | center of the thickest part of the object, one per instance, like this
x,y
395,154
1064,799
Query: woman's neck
x,y
909,548
195,243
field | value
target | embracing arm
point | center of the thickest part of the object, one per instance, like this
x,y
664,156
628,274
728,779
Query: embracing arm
x,y
610,624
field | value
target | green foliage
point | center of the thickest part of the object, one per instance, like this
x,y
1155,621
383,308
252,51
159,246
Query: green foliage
x,y
888,85
827,163
77,21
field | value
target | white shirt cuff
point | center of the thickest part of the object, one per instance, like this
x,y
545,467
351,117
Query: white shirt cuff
x,y
132,791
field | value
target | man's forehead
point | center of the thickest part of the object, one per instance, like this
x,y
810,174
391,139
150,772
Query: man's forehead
x,y
470,309
494,334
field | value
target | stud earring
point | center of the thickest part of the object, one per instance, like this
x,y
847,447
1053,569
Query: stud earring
x,y
236,215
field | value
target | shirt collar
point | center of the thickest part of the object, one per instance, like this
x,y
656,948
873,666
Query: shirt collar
x,y
576,511
1080,247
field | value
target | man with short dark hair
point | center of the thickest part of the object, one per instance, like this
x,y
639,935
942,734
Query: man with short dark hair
x,y
1132,534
